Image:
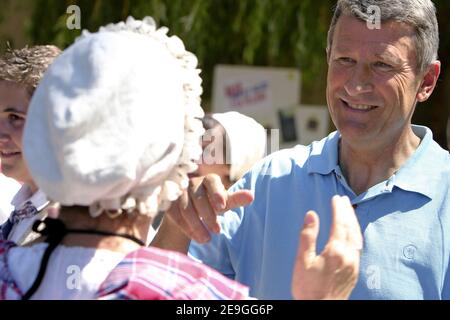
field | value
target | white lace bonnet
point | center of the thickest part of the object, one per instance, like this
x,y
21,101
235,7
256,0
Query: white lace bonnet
x,y
114,123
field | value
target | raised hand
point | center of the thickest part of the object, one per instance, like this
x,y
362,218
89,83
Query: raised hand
x,y
332,274
195,213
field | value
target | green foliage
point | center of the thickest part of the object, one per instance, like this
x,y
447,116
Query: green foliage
x,y
282,33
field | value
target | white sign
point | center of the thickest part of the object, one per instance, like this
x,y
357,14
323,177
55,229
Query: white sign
x,y
258,92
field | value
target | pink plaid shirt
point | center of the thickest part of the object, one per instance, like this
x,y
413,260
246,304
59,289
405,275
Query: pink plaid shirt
x,y
155,274
147,274
8,286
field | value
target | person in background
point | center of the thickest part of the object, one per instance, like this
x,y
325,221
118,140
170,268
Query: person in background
x,y
20,72
232,144
128,97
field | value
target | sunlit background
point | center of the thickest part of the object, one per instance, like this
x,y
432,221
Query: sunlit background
x,y
276,33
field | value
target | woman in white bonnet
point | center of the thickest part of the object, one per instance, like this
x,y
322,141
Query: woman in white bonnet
x,y
111,135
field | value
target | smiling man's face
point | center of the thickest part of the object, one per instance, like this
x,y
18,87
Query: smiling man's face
x,y
373,80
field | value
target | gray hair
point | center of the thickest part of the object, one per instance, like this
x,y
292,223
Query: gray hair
x,y
420,14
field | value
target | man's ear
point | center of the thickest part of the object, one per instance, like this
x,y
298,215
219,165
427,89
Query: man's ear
x,y
429,81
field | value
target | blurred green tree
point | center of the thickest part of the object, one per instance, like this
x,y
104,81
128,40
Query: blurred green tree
x,y
279,33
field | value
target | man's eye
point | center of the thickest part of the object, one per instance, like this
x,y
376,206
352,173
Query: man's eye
x,y
382,65
346,61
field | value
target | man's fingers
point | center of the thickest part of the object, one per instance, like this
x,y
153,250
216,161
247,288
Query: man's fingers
x,y
354,236
308,238
174,213
183,214
202,205
239,199
196,230
338,231
217,193
220,199
197,209
345,227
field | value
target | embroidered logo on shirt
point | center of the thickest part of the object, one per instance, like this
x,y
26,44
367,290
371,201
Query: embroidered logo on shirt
x,y
409,252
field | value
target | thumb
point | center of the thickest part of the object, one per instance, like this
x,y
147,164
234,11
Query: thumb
x,y
308,238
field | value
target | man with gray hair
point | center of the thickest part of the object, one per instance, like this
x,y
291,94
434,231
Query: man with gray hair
x,y
382,58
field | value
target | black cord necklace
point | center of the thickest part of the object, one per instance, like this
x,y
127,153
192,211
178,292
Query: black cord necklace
x,y
55,230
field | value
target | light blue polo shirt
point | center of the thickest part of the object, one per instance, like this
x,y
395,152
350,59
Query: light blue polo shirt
x,y
405,222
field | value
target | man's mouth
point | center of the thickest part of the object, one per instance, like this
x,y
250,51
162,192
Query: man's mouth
x,y
359,107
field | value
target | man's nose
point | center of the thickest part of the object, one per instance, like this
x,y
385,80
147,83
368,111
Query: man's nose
x,y
360,82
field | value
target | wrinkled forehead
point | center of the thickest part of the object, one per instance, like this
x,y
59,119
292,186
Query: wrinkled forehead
x,y
351,27
392,38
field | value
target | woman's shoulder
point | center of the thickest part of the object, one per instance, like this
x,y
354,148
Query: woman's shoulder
x,y
156,274
19,266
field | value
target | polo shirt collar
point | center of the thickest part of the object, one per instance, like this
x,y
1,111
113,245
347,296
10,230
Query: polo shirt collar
x,y
418,174
421,171
324,155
